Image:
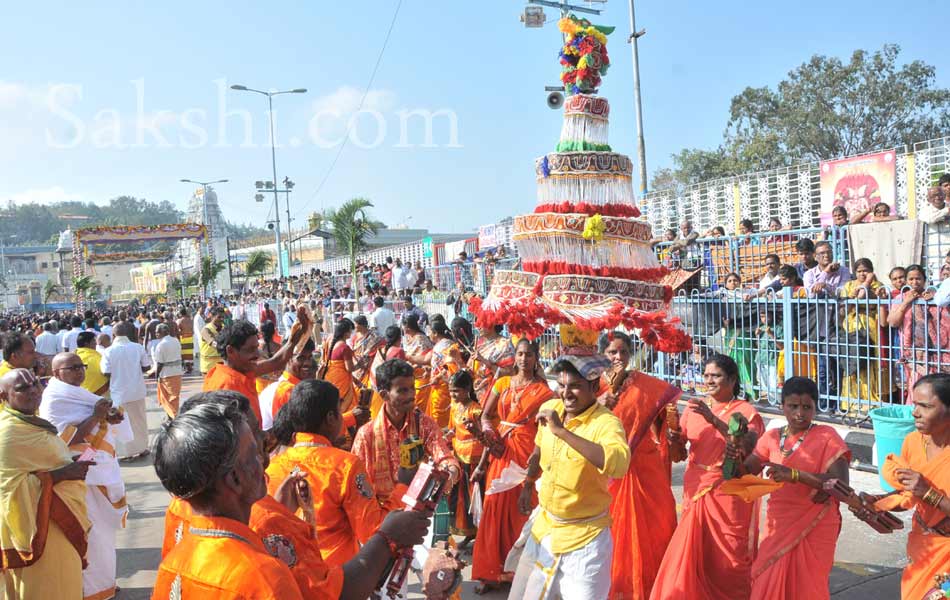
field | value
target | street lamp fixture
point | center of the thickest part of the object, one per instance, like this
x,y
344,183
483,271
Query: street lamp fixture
x,y
272,185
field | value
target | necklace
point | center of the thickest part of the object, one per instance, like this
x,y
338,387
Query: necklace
x,y
796,446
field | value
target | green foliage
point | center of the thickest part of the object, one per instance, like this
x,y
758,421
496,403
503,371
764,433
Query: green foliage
x,y
825,108
82,285
50,289
210,270
351,226
41,224
258,262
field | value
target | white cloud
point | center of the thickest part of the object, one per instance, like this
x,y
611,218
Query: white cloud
x,y
346,99
50,195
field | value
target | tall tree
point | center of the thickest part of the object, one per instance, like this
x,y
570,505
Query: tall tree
x,y
210,271
351,226
50,289
824,109
258,262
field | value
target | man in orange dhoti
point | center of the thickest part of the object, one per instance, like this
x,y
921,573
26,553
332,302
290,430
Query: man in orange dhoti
x,y
43,526
249,556
237,343
643,509
922,473
344,508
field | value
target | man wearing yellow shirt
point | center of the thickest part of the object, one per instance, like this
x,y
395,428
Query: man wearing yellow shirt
x,y
19,352
209,354
579,448
94,381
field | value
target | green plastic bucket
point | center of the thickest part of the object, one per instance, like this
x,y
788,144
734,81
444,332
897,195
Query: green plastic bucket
x,y
891,426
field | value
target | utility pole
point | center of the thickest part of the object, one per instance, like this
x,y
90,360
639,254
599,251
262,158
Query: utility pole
x,y
288,186
273,160
641,145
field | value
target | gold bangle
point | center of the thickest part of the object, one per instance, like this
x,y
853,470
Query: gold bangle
x,y
795,475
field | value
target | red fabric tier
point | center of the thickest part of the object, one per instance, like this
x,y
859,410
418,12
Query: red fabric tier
x,y
551,267
607,210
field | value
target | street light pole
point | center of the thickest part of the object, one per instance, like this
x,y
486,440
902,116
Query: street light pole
x,y
273,160
641,145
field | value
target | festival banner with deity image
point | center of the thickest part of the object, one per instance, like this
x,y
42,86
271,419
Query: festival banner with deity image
x,y
858,183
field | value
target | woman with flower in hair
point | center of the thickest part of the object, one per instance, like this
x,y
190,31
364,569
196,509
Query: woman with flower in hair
x,y
711,552
514,401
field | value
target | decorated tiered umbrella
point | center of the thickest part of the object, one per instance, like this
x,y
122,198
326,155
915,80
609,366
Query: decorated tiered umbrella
x,y
586,255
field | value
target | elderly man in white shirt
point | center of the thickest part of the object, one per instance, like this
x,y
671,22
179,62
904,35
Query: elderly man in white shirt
x,y
166,365
47,343
89,423
125,362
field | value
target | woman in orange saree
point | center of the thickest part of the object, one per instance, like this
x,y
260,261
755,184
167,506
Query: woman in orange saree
x,y
445,362
515,400
802,523
644,509
338,367
711,552
922,474
418,349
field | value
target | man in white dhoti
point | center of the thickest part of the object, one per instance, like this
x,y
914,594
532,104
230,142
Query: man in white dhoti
x,y
579,447
90,426
125,362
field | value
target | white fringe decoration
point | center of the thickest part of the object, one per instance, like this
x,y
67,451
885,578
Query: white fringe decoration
x,y
574,249
593,190
584,128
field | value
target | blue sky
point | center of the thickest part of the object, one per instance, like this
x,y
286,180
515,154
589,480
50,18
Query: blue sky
x,y
472,59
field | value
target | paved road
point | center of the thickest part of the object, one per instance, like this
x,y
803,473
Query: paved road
x,y
868,565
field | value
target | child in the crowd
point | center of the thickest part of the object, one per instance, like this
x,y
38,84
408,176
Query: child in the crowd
x,y
898,277
768,335
465,414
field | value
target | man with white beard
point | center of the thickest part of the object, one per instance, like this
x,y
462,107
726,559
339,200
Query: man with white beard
x,y
90,426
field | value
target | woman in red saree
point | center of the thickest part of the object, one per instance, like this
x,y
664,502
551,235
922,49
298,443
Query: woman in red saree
x,y
925,330
515,400
802,523
644,509
711,552
418,349
922,474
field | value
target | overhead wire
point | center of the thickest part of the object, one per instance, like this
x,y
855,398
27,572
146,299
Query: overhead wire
x,y
350,125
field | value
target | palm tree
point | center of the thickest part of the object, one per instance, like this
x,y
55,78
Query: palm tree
x,y
351,227
50,288
210,271
258,262
81,285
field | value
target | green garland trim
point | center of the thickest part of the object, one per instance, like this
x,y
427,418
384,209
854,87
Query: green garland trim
x,y
582,146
